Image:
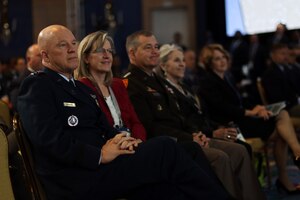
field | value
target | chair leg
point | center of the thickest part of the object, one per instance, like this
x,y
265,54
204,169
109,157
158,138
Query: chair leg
x,y
268,170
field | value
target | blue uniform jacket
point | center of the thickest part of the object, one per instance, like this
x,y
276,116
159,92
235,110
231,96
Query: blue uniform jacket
x,y
66,129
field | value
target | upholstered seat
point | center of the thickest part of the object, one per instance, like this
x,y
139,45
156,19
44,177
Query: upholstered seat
x,y
6,191
5,119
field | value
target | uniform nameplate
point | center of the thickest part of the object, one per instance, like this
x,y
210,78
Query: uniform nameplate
x,y
69,104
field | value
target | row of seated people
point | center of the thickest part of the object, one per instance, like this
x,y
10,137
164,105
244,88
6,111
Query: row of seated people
x,y
250,53
280,80
225,104
162,103
149,122
79,155
160,116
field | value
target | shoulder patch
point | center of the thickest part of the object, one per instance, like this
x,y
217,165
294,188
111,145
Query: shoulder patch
x,y
125,82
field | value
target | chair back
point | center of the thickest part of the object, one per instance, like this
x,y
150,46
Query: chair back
x,y
36,189
5,115
6,190
261,91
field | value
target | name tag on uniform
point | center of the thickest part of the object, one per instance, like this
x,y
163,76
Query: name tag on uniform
x,y
69,104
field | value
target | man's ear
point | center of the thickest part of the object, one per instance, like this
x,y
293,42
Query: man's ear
x,y
45,57
131,53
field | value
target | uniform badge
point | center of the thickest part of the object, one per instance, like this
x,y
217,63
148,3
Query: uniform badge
x,y
72,120
125,82
169,89
95,98
151,90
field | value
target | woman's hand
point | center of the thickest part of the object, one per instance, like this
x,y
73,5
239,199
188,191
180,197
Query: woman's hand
x,y
229,134
265,114
259,111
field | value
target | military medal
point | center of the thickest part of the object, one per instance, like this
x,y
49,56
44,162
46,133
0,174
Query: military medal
x,y
72,120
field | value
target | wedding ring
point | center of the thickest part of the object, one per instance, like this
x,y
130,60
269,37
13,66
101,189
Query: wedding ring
x,y
128,134
228,136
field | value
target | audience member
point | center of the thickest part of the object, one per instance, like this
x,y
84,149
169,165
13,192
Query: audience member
x,y
258,56
79,156
34,63
194,71
95,54
278,81
171,68
225,105
280,35
239,53
294,38
177,39
160,114
294,68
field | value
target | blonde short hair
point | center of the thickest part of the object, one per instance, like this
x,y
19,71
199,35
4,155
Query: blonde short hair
x,y
165,51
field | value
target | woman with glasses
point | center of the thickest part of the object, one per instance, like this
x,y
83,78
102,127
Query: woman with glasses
x,y
95,54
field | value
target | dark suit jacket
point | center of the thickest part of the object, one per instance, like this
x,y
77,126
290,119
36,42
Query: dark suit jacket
x,y
259,61
222,102
66,129
193,114
224,106
278,87
155,105
294,77
192,77
15,87
128,114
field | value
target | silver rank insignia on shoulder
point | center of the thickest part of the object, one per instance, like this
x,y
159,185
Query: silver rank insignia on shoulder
x,y
159,107
72,120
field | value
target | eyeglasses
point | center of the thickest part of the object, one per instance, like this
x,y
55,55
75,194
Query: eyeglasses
x,y
103,50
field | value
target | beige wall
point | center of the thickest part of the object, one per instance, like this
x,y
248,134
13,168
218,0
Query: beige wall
x,y
47,12
151,5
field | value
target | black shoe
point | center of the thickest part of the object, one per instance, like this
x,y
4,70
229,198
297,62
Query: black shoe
x,y
297,161
282,188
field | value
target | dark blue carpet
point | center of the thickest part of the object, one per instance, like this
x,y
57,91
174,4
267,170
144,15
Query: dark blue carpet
x,y
294,174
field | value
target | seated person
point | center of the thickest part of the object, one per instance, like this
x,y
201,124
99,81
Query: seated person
x,y
79,156
159,111
225,104
172,69
111,93
280,82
